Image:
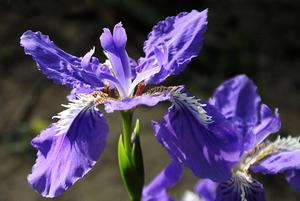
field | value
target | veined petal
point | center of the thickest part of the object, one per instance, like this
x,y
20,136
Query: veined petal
x,y
156,189
56,64
198,136
293,178
281,155
114,45
172,44
64,158
206,189
237,99
240,188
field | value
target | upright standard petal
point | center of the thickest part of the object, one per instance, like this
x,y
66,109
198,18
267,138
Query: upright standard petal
x,y
67,150
240,188
172,44
156,190
206,189
237,99
56,64
198,136
114,45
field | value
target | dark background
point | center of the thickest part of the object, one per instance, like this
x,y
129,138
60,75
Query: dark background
x,y
259,38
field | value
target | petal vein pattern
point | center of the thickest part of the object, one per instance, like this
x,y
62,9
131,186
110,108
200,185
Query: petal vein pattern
x,y
199,137
68,149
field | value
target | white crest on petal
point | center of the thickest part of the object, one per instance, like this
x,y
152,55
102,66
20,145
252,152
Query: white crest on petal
x,y
190,196
74,107
240,183
266,149
178,98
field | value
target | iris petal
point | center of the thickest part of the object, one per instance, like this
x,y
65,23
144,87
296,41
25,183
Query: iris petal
x,y
114,45
268,124
239,102
209,149
65,158
293,178
278,162
129,103
172,44
240,188
156,190
281,155
206,189
56,64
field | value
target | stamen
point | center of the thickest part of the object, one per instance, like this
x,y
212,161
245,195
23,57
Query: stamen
x,y
140,88
106,89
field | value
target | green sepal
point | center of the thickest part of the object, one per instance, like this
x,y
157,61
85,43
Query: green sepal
x,y
131,166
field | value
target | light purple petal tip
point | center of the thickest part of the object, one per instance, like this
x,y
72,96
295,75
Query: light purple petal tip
x,y
172,44
119,36
63,159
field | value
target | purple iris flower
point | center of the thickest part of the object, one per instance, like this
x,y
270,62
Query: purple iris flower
x,y
239,102
70,147
237,99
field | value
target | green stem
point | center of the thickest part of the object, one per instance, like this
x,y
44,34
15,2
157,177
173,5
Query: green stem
x,y
130,157
127,129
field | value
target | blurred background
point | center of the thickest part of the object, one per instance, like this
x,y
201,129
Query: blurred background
x,y
259,38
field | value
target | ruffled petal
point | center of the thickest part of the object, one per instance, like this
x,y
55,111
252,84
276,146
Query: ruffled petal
x,y
206,189
198,136
58,65
63,158
237,99
281,155
293,178
240,188
114,45
156,189
172,44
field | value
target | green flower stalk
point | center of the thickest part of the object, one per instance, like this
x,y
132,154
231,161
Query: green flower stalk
x,y
130,157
